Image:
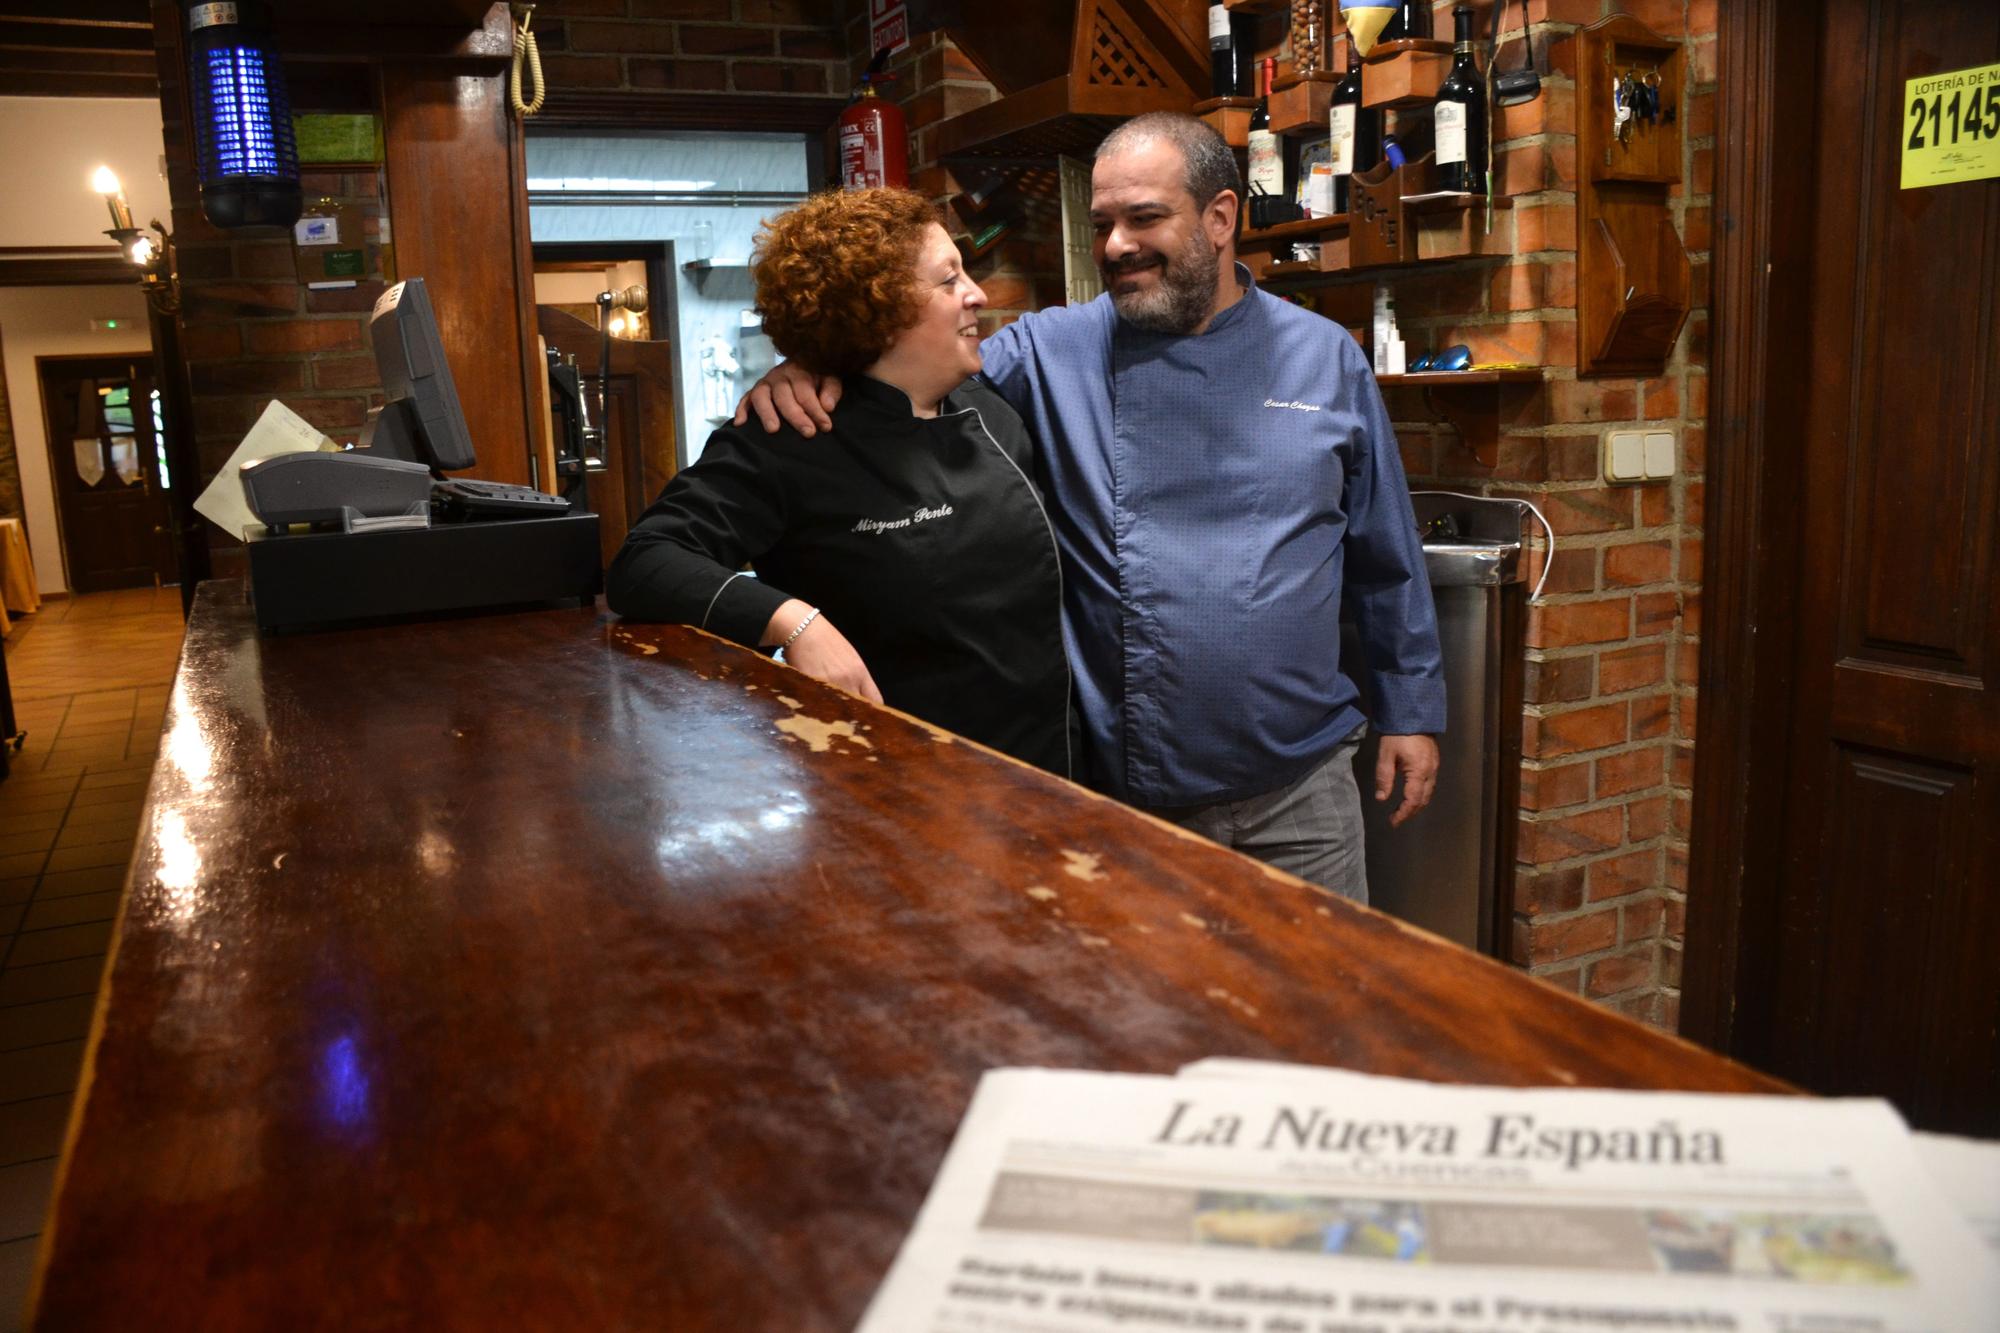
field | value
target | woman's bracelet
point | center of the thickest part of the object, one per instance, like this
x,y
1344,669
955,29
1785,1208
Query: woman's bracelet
x,y
799,629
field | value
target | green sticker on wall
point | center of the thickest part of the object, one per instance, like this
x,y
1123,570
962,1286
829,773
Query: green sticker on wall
x,y
1951,127
345,264
326,137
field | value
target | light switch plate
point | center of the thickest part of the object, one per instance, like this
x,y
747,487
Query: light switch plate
x,y
1659,454
1624,456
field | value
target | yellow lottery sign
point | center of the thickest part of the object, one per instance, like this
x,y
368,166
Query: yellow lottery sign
x,y
1951,127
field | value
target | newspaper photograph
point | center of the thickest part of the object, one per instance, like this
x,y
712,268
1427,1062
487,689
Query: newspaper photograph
x,y
1290,1200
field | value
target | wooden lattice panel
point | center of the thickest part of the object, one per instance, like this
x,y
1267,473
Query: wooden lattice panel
x,y
1116,60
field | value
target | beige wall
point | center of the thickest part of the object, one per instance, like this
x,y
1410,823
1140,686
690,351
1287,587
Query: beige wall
x,y
53,145
55,321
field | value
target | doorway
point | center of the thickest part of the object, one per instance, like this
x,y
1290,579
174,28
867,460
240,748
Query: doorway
x,y
109,470
631,402
1844,876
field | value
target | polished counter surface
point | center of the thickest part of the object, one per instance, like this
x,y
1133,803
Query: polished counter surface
x,y
540,971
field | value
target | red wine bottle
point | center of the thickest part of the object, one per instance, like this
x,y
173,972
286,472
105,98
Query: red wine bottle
x,y
1267,158
1408,18
1230,40
1459,115
1356,133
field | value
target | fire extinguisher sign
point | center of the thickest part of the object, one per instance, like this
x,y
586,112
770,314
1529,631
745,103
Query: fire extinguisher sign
x,y
888,26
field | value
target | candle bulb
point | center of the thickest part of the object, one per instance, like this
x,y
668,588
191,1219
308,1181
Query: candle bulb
x,y
105,182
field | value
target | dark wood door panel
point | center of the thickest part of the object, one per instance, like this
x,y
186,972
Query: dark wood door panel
x,y
1914,712
1871,927
1924,265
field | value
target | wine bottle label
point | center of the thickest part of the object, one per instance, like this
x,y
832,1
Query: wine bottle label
x,y
1450,121
1267,164
1218,28
1343,140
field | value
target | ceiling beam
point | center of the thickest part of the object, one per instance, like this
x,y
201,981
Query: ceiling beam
x,y
137,12
78,37
28,84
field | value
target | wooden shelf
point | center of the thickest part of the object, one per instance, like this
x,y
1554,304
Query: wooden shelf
x,y
1476,402
1059,118
1456,378
1300,104
1229,117
1445,203
1302,230
1404,74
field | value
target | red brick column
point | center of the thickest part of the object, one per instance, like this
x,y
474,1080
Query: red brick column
x,y
1609,723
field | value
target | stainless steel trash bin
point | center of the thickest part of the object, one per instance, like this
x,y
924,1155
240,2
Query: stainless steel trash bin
x,y
1450,868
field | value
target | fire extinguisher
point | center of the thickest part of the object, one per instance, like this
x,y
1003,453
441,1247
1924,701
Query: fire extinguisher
x,y
874,144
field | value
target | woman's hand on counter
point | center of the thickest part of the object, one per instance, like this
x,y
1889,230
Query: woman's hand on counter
x,y
821,651
1416,758
788,390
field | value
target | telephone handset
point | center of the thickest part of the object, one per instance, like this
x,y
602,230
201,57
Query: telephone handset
x,y
572,422
1515,86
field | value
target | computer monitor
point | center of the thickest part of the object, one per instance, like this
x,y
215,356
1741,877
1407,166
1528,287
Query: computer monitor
x,y
422,421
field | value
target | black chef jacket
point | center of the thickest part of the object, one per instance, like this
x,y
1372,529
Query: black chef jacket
x,y
922,540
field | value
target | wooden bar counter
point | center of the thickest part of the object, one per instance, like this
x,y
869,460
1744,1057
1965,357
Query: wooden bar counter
x,y
542,972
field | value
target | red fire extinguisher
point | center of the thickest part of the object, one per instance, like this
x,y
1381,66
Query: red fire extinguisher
x,y
874,144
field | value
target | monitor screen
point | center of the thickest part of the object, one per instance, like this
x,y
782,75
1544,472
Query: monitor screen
x,y
422,420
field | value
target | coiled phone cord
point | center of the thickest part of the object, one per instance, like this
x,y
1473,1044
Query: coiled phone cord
x,y
525,52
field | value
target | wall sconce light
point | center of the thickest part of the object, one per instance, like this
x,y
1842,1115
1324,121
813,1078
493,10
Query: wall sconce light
x,y
150,251
246,161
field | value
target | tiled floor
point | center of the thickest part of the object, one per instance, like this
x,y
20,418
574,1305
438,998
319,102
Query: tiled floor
x,y
90,678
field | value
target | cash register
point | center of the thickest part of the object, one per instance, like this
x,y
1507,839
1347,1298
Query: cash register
x,y
386,533
418,436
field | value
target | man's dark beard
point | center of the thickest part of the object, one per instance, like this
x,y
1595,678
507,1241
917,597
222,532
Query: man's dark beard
x,y
1183,296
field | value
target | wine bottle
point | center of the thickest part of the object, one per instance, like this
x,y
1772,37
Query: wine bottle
x,y
1407,19
1267,159
1356,133
1229,45
1459,115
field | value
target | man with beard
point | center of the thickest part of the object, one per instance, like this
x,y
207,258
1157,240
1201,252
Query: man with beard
x,y
1224,477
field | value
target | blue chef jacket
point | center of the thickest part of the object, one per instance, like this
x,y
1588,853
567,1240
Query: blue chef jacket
x,y
1218,499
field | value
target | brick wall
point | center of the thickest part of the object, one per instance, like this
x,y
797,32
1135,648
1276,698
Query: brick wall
x,y
1609,724
252,331
745,46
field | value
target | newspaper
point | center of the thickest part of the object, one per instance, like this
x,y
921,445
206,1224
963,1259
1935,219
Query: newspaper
x,y
1968,1171
1285,1200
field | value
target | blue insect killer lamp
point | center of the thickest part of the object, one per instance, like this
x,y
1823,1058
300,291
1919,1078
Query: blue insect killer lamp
x,y
245,159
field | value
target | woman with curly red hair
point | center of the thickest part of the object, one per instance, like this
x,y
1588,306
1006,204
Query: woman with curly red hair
x,y
905,555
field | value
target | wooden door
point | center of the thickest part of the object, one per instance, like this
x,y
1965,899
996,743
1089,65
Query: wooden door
x,y
1845,915
101,415
639,455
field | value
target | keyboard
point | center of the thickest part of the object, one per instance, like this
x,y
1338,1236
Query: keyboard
x,y
463,498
